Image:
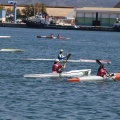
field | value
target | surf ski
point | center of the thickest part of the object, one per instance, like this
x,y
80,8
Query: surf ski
x,y
5,36
112,77
80,60
11,50
72,73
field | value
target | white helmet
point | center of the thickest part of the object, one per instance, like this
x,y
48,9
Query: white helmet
x,y
57,60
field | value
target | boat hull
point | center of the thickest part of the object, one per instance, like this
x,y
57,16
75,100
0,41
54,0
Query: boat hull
x,y
80,60
72,73
11,50
5,36
46,37
114,77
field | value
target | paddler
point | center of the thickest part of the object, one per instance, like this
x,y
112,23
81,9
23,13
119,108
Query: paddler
x,y
61,56
102,71
59,37
51,36
57,67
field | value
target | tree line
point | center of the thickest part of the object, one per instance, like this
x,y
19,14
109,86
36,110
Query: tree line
x,y
28,11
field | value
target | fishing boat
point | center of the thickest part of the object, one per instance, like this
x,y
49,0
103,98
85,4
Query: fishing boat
x,y
5,36
79,60
72,73
11,50
111,77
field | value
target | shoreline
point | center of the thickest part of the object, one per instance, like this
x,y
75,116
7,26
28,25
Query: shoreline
x,y
85,28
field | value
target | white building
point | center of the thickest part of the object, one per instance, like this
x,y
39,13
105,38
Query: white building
x,y
2,15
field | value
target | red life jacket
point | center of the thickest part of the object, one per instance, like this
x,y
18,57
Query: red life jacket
x,y
55,67
101,72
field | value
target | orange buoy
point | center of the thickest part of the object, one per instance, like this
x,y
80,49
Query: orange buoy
x,y
73,80
117,76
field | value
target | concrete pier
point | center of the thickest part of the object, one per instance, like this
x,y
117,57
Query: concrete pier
x,y
13,25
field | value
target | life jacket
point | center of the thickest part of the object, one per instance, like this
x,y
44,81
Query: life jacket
x,y
101,72
61,57
55,67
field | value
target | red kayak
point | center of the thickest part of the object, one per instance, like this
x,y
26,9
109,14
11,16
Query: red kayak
x,y
46,37
62,38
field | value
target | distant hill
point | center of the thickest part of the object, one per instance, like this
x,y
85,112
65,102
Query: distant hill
x,y
72,3
117,5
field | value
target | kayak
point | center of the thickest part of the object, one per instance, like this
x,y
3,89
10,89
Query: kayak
x,y
46,37
80,60
11,50
102,61
62,38
5,36
72,73
114,77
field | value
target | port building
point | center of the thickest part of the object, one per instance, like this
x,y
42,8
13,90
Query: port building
x,y
96,16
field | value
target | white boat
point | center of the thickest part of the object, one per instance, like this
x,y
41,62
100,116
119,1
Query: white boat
x,y
114,77
80,60
5,36
11,50
72,73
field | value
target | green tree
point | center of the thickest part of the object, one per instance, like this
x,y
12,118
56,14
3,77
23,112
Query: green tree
x,y
2,7
28,11
8,11
18,13
43,9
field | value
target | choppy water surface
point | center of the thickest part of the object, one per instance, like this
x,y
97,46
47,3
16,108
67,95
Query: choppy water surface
x,y
53,99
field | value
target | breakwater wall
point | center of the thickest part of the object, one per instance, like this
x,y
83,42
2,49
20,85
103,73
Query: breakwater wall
x,y
13,25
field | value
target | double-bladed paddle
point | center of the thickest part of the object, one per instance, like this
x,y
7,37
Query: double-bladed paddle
x,y
67,57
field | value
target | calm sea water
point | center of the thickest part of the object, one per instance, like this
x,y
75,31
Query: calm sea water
x,y
55,99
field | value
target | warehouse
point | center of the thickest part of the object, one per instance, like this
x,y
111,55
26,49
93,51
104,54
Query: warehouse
x,y
94,16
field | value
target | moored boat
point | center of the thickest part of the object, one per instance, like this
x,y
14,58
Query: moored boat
x,y
72,73
113,77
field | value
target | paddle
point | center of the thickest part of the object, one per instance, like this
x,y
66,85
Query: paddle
x,y
106,70
67,57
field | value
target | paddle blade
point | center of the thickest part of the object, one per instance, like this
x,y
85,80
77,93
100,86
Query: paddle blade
x,y
68,56
98,62
38,36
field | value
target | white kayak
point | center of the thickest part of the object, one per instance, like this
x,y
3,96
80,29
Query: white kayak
x,y
80,60
114,77
72,73
5,36
11,50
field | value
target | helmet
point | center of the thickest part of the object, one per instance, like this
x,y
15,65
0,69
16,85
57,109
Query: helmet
x,y
57,60
61,50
